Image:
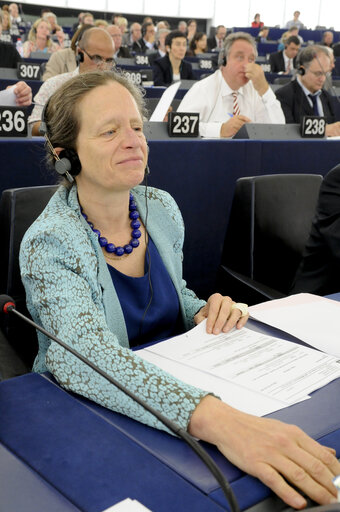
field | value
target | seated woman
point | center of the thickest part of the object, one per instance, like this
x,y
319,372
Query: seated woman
x,y
86,267
198,44
257,23
6,33
39,39
319,270
172,67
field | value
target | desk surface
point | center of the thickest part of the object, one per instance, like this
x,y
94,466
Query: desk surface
x,y
94,457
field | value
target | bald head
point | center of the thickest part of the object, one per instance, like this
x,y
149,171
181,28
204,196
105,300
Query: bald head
x,y
95,42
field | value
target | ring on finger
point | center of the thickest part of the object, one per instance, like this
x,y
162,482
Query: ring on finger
x,y
241,306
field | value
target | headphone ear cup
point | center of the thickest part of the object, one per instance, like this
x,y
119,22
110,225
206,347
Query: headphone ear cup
x,y
80,56
69,160
301,70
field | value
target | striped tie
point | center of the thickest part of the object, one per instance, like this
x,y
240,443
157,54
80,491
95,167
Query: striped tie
x,y
236,108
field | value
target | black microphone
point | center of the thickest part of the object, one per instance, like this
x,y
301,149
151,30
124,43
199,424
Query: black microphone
x,y
7,305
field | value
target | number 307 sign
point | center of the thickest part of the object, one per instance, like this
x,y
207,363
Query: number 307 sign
x,y
13,122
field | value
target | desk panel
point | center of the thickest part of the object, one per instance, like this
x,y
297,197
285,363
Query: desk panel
x,y
200,174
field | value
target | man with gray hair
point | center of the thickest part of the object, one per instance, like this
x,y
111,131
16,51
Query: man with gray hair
x,y
306,96
237,93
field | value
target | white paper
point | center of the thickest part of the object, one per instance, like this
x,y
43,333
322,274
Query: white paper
x,y
7,97
127,505
164,103
310,318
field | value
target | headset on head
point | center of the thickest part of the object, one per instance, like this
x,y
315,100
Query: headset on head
x,y
67,163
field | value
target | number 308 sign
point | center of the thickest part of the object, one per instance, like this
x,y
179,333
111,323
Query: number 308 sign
x,y
13,122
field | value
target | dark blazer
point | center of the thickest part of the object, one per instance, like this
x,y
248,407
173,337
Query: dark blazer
x,y
211,44
162,71
277,62
124,53
295,104
9,57
319,271
139,46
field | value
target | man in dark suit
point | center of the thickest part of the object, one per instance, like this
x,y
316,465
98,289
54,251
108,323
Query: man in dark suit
x,y
305,95
319,269
216,43
284,62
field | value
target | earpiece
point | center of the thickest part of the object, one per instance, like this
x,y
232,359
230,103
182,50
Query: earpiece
x,y
301,70
79,56
67,163
147,170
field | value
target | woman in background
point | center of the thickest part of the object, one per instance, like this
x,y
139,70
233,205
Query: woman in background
x,y
198,44
39,39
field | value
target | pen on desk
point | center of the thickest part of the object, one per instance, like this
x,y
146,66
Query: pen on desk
x,y
230,115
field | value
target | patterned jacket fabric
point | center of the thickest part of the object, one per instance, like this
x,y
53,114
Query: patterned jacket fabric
x,y
70,292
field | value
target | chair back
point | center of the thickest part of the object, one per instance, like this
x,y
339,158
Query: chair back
x,y
269,224
19,208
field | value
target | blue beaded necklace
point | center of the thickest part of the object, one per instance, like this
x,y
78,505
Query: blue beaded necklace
x,y
110,248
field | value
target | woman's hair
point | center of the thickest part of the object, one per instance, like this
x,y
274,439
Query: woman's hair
x,y
62,114
5,14
193,42
172,35
32,35
101,23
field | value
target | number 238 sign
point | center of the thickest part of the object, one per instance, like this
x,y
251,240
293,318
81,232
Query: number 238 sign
x,y
313,127
13,122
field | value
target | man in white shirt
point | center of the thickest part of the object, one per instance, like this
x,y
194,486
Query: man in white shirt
x,y
237,93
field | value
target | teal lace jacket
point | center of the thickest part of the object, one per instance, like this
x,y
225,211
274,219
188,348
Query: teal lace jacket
x,y
70,292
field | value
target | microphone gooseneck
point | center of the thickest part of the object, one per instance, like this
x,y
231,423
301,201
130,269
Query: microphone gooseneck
x,y
7,305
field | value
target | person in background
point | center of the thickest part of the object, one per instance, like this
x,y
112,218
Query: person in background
x,y
64,61
305,96
162,24
135,39
198,44
88,19
120,51
215,43
6,35
172,67
318,272
183,27
122,24
295,22
237,93
58,35
95,300
327,39
39,39
14,13
257,23
161,48
94,51
284,62
192,28
101,24
263,35
148,36
293,31
9,56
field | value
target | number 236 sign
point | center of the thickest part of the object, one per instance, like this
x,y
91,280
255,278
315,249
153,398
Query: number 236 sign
x,y
13,122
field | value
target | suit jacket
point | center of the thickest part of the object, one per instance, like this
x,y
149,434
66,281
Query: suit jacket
x,y
295,104
211,44
62,61
162,71
9,57
277,62
319,271
139,46
69,290
124,53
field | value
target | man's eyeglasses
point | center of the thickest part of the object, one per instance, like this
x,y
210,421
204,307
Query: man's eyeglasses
x,y
317,74
98,60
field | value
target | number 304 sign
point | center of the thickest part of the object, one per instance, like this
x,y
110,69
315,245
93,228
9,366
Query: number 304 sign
x,y
13,122
313,127
182,124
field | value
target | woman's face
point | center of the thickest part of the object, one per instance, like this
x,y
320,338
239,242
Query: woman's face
x,y
178,47
43,30
5,21
202,43
111,145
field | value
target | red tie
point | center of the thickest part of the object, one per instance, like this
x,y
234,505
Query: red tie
x,y
236,108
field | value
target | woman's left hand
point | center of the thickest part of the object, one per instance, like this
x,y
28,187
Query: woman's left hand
x,y
222,314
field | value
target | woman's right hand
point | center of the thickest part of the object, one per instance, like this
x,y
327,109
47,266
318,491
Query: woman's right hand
x,y
274,452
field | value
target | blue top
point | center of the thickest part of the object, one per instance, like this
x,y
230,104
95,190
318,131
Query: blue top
x,y
161,317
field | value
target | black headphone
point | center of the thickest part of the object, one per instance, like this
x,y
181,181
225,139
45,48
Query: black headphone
x,y
67,163
301,70
79,56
